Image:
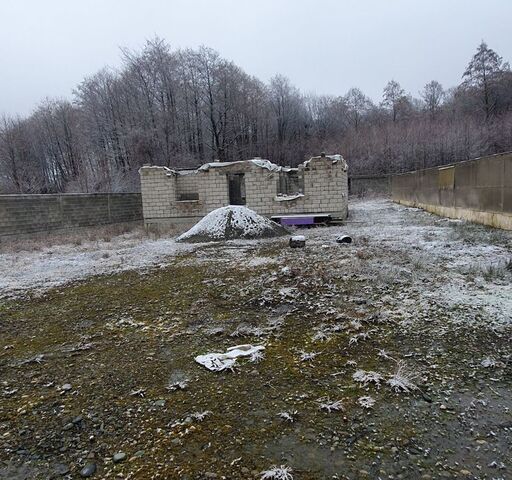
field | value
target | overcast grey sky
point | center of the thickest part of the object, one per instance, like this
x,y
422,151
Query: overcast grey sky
x,y
323,46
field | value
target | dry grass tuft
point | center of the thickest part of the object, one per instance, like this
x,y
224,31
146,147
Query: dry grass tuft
x,y
42,240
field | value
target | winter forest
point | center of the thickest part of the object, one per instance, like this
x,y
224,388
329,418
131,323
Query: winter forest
x,y
182,108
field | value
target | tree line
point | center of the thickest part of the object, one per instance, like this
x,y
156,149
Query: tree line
x,y
182,108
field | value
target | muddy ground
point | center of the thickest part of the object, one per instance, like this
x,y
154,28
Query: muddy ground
x,y
105,365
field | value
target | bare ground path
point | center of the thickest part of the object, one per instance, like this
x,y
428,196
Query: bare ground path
x,y
408,329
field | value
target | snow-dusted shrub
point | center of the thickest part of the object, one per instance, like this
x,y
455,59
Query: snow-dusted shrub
x,y
290,416
488,362
307,356
330,406
402,380
320,336
200,416
366,401
366,377
179,385
383,354
358,336
257,356
178,381
277,473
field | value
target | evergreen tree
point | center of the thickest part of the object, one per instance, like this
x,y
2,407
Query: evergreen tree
x,y
483,73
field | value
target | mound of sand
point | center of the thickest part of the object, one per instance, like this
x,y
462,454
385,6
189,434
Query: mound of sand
x,y
232,222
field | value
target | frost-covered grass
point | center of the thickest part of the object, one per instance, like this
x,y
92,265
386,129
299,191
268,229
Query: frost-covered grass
x,y
77,238
490,271
118,340
40,269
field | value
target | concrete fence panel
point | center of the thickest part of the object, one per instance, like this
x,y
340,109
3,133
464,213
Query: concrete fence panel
x,y
25,214
478,190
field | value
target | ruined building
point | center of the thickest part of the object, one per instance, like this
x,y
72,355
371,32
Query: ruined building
x,y
318,187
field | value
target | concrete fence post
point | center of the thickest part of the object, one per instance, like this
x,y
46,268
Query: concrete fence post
x,y
109,214
61,212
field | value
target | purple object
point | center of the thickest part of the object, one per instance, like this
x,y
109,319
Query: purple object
x,y
298,221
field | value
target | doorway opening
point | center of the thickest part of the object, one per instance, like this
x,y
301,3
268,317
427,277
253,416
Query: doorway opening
x,y
236,182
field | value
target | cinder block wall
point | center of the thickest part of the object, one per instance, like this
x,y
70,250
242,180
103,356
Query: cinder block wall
x,y
325,191
25,214
478,190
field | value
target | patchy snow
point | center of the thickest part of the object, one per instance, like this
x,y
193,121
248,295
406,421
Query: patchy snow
x,y
232,222
50,267
442,252
335,159
443,265
260,261
330,406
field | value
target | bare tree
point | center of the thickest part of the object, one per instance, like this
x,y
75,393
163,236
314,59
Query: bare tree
x,y
180,108
392,97
358,105
433,95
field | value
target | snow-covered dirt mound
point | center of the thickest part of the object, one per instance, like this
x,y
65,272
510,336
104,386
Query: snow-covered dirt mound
x,y
232,222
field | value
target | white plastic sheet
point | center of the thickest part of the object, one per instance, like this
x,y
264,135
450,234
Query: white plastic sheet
x,y
217,362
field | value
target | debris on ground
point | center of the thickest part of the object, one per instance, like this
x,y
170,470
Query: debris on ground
x,y
231,223
298,241
216,362
344,239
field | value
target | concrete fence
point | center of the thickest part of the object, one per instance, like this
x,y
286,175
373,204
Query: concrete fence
x,y
23,214
478,190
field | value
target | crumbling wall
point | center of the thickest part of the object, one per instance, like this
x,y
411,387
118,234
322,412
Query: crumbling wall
x,y
171,197
325,190
158,189
326,186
